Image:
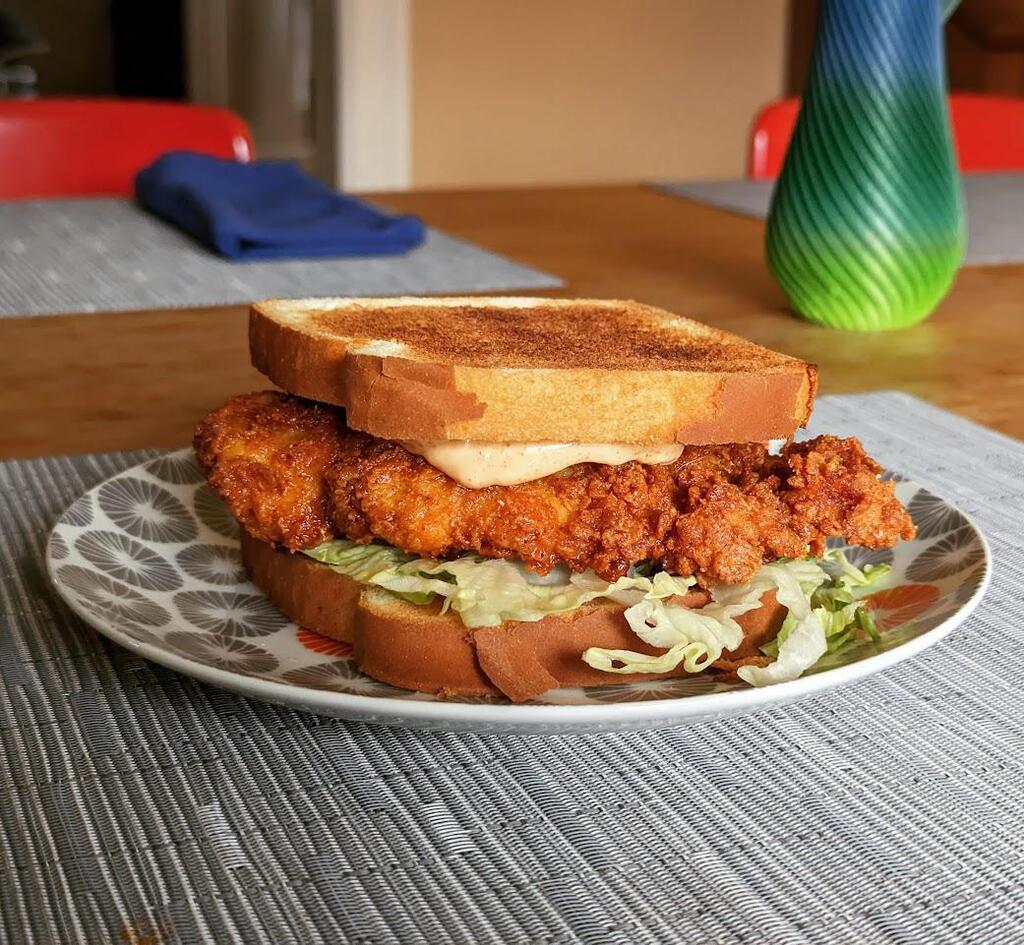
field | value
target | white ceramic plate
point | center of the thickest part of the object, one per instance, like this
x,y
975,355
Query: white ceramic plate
x,y
150,559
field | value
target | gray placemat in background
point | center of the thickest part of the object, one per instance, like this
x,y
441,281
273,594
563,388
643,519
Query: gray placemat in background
x,y
61,256
137,805
994,202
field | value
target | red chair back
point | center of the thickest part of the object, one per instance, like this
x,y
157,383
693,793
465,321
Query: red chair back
x,y
988,131
81,147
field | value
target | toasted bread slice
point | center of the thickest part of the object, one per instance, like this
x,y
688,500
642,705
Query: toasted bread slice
x,y
417,647
529,370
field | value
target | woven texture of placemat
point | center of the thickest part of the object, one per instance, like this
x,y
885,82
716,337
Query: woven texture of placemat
x,y
138,806
95,255
994,209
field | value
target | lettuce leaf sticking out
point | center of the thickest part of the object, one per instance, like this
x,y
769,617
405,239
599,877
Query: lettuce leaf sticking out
x,y
824,600
485,592
838,616
359,562
697,638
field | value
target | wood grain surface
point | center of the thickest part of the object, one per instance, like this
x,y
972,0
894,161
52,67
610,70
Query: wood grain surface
x,y
84,383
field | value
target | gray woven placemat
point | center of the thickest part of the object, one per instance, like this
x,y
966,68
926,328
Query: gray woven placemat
x,y
139,806
994,202
60,256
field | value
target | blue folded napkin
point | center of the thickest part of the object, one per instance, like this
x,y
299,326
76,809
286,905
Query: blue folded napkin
x,y
268,210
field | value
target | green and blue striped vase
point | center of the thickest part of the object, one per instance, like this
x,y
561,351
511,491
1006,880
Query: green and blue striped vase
x,y
866,227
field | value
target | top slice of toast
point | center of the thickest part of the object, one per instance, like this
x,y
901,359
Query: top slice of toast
x,y
529,370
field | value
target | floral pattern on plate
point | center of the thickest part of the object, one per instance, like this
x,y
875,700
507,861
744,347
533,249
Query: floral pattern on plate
x,y
223,652
898,605
318,643
145,510
108,598
230,614
340,675
124,558
212,564
951,554
151,556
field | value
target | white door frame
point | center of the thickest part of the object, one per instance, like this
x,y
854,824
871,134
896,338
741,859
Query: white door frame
x,y
361,77
373,77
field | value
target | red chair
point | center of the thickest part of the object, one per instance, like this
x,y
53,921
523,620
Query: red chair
x,y
988,130
83,147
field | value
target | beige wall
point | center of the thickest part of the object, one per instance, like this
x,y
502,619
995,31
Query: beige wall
x,y
553,91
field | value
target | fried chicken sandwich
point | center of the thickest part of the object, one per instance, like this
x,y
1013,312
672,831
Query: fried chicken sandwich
x,y
503,496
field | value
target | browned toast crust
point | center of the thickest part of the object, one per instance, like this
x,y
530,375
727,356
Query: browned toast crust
x,y
415,647
530,370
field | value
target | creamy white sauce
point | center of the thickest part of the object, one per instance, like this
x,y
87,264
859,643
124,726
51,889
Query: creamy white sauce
x,y
505,464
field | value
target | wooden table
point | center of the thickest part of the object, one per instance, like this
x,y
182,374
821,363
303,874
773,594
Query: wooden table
x,y
117,381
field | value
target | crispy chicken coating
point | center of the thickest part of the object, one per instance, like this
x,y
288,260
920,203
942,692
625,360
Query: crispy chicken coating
x,y
293,474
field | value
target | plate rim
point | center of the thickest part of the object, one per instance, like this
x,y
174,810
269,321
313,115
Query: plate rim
x,y
409,711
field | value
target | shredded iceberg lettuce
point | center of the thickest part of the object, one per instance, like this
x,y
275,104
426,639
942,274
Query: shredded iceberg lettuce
x,y
824,600
485,592
360,562
711,629
833,616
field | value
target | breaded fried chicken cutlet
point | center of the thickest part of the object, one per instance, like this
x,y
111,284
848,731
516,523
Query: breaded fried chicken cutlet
x,y
294,475
502,496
